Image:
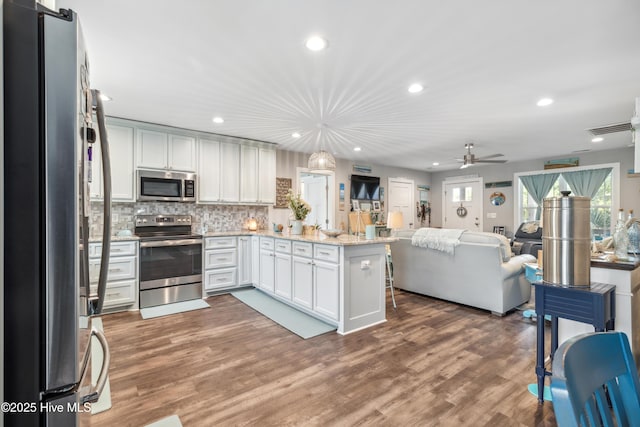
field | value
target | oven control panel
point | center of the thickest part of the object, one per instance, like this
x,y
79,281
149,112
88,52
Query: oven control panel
x,y
162,220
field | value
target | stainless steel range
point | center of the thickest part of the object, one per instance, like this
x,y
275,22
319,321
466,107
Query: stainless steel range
x,y
170,259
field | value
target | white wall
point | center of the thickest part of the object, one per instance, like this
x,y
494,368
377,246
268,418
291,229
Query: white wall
x,y
629,187
288,161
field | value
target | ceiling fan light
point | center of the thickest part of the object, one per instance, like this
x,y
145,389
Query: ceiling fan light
x,y
322,161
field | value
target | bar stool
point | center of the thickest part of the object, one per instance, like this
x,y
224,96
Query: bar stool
x,y
390,274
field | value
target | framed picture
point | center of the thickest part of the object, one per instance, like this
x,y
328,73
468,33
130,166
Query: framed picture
x,y
355,205
376,206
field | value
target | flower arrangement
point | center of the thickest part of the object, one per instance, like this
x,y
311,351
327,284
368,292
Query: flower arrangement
x,y
298,206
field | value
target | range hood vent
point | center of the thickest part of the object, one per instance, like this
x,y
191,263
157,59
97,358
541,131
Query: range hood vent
x,y
603,130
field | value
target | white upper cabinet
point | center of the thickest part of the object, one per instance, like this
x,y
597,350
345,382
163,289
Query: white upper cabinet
x,y
153,149
229,172
182,153
267,175
209,171
257,174
158,150
249,174
122,165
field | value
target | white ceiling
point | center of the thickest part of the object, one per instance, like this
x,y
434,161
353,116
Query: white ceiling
x,y
484,65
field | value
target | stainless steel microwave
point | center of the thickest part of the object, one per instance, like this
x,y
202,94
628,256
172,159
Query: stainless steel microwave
x,y
166,186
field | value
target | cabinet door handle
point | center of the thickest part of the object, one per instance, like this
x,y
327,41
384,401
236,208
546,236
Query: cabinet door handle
x,y
113,270
220,279
221,259
324,253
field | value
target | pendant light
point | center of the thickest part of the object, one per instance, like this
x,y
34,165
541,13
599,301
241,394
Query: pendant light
x,y
321,160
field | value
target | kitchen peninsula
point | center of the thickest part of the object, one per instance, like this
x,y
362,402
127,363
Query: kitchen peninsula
x,y
338,280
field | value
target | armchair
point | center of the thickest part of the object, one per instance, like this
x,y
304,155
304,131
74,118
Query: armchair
x,y
527,239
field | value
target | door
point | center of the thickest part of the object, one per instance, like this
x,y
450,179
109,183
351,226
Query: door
x,y
229,172
319,191
249,175
400,198
314,190
462,204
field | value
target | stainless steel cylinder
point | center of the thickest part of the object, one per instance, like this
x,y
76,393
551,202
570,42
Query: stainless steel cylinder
x,y
566,240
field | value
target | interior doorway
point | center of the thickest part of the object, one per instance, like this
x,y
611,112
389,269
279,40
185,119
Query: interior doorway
x,y
401,193
318,189
462,204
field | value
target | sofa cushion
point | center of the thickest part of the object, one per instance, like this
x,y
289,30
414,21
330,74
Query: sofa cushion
x,y
491,239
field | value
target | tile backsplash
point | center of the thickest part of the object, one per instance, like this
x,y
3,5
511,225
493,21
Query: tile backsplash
x,y
214,217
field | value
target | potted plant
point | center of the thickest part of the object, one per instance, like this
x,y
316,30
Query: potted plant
x,y
299,208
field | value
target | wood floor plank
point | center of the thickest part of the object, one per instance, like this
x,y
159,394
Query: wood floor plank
x,y
432,363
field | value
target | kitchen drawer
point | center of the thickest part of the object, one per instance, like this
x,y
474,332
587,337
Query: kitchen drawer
x,y
117,249
218,258
118,293
220,242
120,268
283,246
221,278
266,243
303,249
327,253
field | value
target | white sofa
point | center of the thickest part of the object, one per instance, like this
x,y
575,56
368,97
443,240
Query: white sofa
x,y
481,273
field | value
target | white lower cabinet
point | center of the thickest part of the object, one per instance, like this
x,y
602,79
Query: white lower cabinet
x,y
267,264
302,278
220,263
122,275
326,295
255,260
315,277
244,260
282,267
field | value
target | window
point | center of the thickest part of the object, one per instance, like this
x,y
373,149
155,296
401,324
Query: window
x,y
462,194
603,204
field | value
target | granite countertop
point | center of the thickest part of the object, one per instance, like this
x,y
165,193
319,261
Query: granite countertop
x,y
342,240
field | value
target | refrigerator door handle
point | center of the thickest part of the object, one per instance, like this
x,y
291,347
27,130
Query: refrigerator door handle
x,y
89,393
106,180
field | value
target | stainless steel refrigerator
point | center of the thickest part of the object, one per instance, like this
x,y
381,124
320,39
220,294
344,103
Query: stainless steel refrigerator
x,y
51,119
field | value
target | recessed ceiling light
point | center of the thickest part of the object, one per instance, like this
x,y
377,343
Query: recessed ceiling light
x,y
295,135
544,102
315,43
436,164
105,97
597,139
415,88
218,120
357,149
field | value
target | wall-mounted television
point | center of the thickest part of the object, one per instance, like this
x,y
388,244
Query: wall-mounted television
x,y
365,187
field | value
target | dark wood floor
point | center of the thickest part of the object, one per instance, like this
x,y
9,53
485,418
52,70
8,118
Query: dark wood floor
x,y
432,363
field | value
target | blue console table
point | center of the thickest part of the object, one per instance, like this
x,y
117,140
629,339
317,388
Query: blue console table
x,y
595,305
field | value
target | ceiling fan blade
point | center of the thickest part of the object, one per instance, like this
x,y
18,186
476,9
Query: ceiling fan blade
x,y
490,161
490,156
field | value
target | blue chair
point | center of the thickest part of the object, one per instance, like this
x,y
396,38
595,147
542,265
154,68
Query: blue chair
x,y
591,372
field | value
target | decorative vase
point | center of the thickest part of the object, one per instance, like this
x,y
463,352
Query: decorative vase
x,y
296,226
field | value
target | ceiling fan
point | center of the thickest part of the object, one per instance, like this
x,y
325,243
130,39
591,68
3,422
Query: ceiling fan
x,y
470,159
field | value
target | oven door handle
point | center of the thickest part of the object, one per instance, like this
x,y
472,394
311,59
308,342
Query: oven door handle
x,y
160,243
